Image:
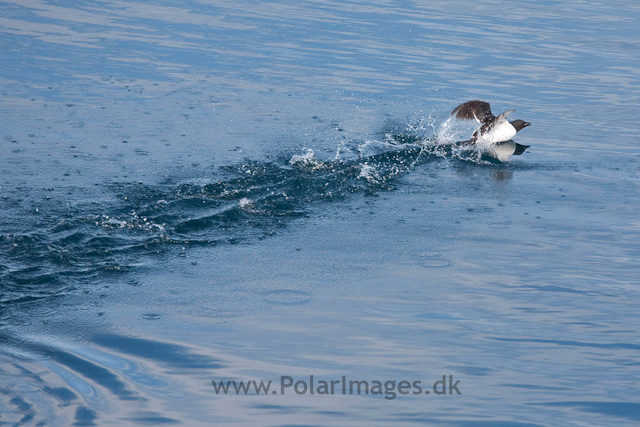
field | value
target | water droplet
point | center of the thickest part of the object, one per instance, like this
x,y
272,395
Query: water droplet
x,y
499,225
34,354
601,233
426,253
287,297
151,316
434,262
19,388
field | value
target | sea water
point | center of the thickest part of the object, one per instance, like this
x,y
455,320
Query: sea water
x,y
207,191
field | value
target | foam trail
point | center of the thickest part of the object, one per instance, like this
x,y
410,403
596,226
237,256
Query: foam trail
x,y
77,245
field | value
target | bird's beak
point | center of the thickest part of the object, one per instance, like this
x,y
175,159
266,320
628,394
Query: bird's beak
x,y
527,124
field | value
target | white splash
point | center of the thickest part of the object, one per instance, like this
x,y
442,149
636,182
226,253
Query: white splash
x,y
307,160
452,131
246,204
371,147
369,173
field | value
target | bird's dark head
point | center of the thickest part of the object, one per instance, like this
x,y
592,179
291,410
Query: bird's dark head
x,y
520,124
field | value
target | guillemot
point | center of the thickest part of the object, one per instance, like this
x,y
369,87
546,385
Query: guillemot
x,y
496,132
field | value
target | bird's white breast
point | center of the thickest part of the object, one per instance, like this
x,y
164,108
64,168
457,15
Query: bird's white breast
x,y
501,132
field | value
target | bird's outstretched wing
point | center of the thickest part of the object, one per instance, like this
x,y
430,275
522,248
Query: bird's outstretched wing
x,y
474,110
505,115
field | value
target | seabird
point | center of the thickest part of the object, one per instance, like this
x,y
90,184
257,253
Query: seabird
x,y
494,130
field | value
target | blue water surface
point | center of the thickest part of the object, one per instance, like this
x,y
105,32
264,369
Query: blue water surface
x,y
209,190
